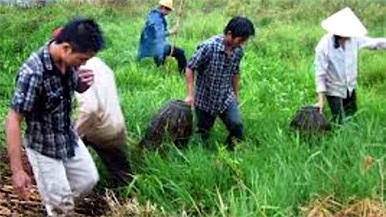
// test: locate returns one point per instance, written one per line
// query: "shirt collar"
(156, 10)
(48, 63)
(47, 56)
(221, 44)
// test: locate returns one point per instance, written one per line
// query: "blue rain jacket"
(153, 37)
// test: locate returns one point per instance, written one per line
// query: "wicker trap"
(308, 119)
(173, 122)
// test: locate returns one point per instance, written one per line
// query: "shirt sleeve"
(200, 57)
(371, 43)
(27, 89)
(240, 55)
(75, 79)
(321, 65)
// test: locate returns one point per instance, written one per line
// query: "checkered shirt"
(43, 96)
(214, 71)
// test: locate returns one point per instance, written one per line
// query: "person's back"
(100, 122)
(101, 102)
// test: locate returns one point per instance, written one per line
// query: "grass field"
(274, 171)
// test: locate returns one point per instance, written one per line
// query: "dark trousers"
(177, 53)
(342, 108)
(230, 117)
(115, 157)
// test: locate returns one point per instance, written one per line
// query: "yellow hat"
(344, 23)
(167, 3)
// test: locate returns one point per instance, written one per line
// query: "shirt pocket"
(54, 100)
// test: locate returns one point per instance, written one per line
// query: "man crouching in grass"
(217, 63)
(45, 84)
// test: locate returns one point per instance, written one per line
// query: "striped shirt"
(43, 96)
(215, 69)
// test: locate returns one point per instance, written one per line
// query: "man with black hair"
(63, 168)
(217, 66)
(100, 122)
(153, 41)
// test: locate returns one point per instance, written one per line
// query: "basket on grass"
(173, 122)
(308, 119)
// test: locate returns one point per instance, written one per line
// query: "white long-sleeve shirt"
(99, 114)
(336, 68)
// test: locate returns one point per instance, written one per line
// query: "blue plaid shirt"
(43, 96)
(214, 71)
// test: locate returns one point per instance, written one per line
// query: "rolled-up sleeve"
(321, 64)
(28, 86)
(371, 43)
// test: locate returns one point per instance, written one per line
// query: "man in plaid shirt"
(62, 166)
(217, 66)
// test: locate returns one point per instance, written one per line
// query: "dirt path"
(12, 206)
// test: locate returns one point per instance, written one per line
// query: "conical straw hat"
(344, 23)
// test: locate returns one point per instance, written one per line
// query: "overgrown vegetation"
(273, 172)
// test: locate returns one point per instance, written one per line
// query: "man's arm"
(321, 65)
(21, 181)
(24, 101)
(372, 43)
(189, 77)
(235, 85)
(12, 132)
(85, 78)
(172, 31)
(236, 75)
(199, 58)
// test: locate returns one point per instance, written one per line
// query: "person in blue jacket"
(153, 41)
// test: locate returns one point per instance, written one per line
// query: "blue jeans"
(230, 117)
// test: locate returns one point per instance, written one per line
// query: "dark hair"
(240, 27)
(84, 35)
(336, 41)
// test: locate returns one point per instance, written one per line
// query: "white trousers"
(61, 182)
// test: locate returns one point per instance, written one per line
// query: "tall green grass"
(274, 171)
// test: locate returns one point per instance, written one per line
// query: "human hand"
(320, 105)
(21, 183)
(85, 79)
(86, 76)
(236, 96)
(189, 100)
(173, 30)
